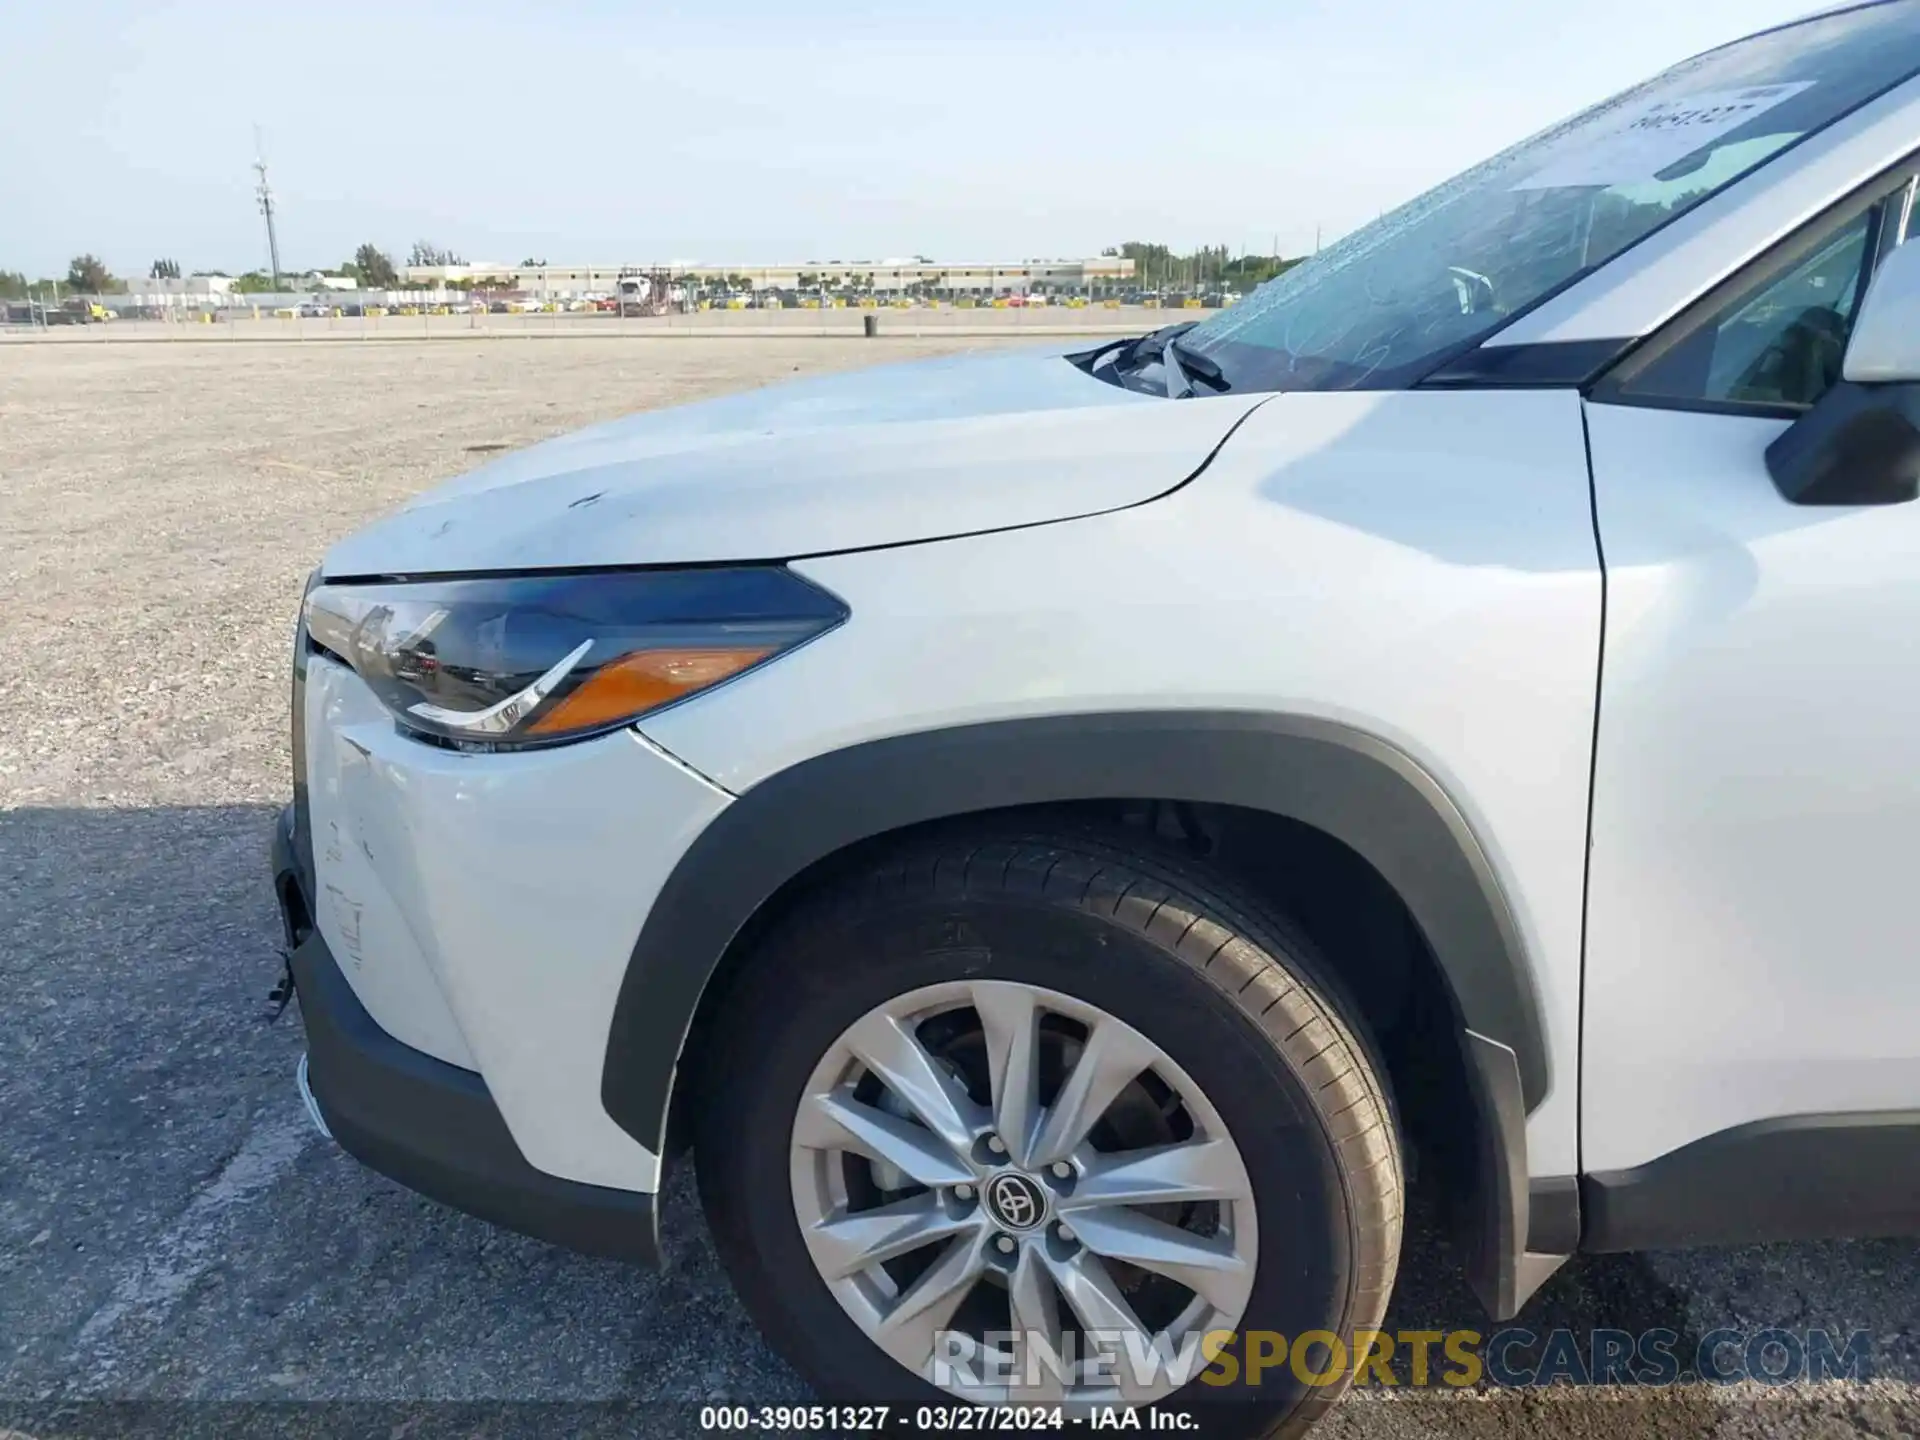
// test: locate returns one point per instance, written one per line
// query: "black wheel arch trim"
(1358, 788)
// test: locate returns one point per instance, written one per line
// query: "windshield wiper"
(1184, 365)
(1087, 359)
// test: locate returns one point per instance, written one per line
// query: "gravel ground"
(172, 1236)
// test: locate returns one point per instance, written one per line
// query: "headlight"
(536, 659)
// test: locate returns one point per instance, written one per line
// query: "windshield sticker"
(1651, 137)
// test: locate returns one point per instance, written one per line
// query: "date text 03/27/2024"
(937, 1419)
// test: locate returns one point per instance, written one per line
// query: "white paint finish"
(1885, 346)
(1640, 290)
(947, 387)
(901, 453)
(1419, 565)
(513, 887)
(1757, 801)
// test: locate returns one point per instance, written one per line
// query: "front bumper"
(432, 1126)
(483, 907)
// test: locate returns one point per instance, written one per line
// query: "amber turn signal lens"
(643, 681)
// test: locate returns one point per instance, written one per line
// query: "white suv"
(1059, 834)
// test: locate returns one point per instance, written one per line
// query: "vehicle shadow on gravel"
(172, 1230)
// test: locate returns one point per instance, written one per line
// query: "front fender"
(1353, 786)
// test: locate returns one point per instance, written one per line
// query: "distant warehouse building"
(985, 278)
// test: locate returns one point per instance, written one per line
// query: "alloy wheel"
(991, 1160)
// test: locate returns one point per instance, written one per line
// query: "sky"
(748, 131)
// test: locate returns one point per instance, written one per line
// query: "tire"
(1251, 1037)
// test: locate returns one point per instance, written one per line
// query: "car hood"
(888, 456)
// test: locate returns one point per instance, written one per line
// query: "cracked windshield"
(1390, 302)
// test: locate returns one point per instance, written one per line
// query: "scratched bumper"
(482, 909)
(435, 1128)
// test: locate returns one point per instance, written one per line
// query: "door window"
(1776, 339)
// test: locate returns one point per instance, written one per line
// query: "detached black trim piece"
(1559, 364)
(434, 1128)
(292, 875)
(1801, 1177)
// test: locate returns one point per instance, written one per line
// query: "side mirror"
(1860, 444)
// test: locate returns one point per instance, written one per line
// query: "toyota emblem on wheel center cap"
(1015, 1201)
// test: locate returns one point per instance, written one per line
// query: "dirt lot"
(171, 1231)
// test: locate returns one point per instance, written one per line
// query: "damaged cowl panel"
(888, 456)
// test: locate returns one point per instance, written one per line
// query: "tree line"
(1208, 269)
(87, 274)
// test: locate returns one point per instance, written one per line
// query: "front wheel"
(1034, 1119)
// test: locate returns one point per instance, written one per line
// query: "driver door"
(1751, 1052)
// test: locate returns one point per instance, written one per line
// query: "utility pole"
(265, 195)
